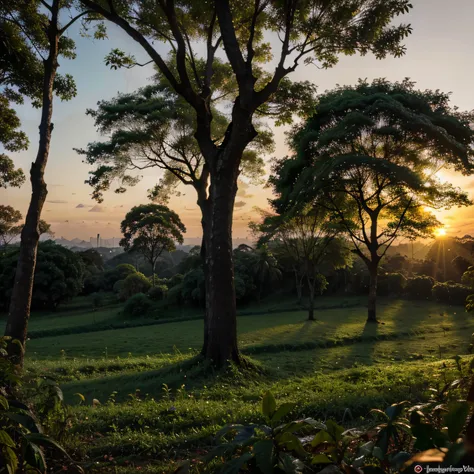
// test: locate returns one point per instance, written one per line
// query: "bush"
(133, 284)
(157, 293)
(193, 287)
(391, 284)
(120, 272)
(451, 293)
(138, 305)
(174, 295)
(98, 299)
(420, 287)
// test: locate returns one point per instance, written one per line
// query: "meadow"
(143, 399)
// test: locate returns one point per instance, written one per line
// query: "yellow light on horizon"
(441, 232)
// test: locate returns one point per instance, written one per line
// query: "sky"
(440, 55)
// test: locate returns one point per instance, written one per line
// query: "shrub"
(193, 287)
(174, 295)
(157, 293)
(391, 284)
(98, 299)
(120, 272)
(420, 287)
(138, 305)
(157, 281)
(451, 293)
(133, 284)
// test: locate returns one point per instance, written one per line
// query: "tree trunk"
(20, 303)
(372, 306)
(221, 345)
(205, 256)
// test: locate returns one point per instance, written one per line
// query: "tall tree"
(35, 25)
(370, 155)
(154, 128)
(309, 242)
(150, 229)
(311, 31)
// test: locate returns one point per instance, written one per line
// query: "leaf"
(378, 453)
(289, 464)
(82, 397)
(25, 420)
(263, 452)
(35, 457)
(367, 448)
(10, 458)
(4, 402)
(6, 440)
(334, 430)
(42, 440)
(455, 419)
(322, 437)
(282, 411)
(234, 466)
(394, 411)
(268, 405)
(292, 443)
(320, 459)
(183, 468)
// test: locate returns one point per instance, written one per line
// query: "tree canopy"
(150, 229)
(370, 155)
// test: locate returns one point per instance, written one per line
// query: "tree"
(267, 270)
(34, 33)
(370, 155)
(59, 275)
(310, 31)
(151, 229)
(309, 241)
(9, 228)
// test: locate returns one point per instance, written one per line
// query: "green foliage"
(118, 286)
(133, 284)
(157, 292)
(420, 287)
(451, 293)
(98, 299)
(176, 279)
(25, 443)
(151, 229)
(58, 275)
(193, 287)
(391, 284)
(9, 228)
(120, 272)
(137, 306)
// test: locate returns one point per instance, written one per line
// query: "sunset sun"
(440, 232)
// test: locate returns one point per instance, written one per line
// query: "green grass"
(327, 366)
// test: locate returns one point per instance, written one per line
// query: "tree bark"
(221, 344)
(372, 305)
(20, 303)
(205, 256)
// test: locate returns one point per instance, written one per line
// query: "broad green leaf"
(455, 419)
(25, 420)
(268, 405)
(35, 457)
(320, 459)
(4, 402)
(42, 440)
(264, 456)
(334, 430)
(289, 464)
(6, 440)
(235, 465)
(10, 458)
(378, 453)
(399, 460)
(292, 443)
(282, 411)
(322, 437)
(395, 410)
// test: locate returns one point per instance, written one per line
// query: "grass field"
(326, 366)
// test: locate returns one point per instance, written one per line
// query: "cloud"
(80, 206)
(240, 204)
(242, 190)
(97, 208)
(57, 202)
(115, 207)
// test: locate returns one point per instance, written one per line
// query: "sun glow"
(441, 232)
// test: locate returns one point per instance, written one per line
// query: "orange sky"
(440, 56)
